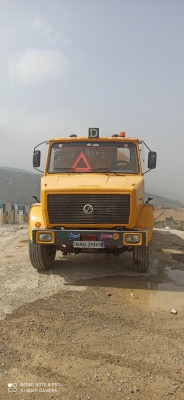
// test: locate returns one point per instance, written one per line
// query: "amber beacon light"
(122, 134)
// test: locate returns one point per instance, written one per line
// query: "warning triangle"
(81, 163)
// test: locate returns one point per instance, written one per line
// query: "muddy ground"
(63, 337)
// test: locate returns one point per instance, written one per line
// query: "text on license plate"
(88, 245)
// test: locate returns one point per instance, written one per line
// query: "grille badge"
(88, 209)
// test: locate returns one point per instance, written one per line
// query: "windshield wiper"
(101, 169)
(109, 170)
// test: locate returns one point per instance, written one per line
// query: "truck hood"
(90, 183)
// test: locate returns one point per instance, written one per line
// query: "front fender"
(146, 219)
(35, 215)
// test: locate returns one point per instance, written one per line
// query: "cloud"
(42, 28)
(38, 24)
(37, 66)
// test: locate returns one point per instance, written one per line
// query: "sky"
(67, 65)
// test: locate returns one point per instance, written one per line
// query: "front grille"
(107, 208)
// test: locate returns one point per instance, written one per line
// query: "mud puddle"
(170, 294)
(150, 293)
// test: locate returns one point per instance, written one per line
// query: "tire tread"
(141, 258)
(39, 257)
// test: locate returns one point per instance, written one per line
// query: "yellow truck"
(92, 200)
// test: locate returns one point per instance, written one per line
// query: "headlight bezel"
(134, 239)
(44, 237)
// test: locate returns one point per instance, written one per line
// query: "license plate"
(88, 245)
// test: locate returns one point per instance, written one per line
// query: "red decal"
(80, 157)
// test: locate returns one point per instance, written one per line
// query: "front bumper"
(109, 238)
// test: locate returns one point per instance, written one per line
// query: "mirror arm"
(148, 170)
(142, 141)
(38, 169)
(45, 141)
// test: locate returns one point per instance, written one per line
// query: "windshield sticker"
(60, 145)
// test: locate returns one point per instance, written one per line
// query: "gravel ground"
(91, 328)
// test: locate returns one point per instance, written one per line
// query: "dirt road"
(62, 337)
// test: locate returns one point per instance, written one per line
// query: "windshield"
(93, 157)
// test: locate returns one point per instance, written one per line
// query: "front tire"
(141, 258)
(41, 255)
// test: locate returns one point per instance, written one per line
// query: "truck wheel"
(141, 258)
(41, 255)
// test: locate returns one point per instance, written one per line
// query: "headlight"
(45, 237)
(132, 238)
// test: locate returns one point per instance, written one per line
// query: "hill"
(163, 202)
(18, 186)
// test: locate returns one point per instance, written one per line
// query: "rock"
(173, 311)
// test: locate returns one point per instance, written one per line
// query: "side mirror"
(152, 159)
(36, 158)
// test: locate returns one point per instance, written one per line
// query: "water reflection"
(149, 294)
(176, 275)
